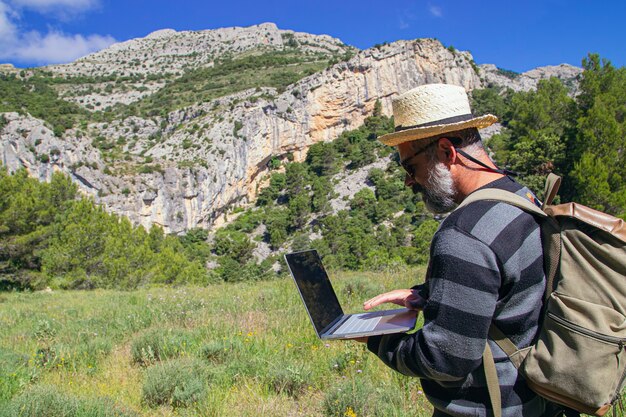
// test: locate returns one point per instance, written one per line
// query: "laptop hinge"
(335, 324)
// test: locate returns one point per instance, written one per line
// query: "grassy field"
(231, 349)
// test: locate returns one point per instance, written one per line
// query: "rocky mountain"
(181, 126)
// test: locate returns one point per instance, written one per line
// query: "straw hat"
(430, 110)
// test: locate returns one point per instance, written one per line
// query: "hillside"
(177, 128)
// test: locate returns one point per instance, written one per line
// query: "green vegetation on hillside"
(383, 226)
(49, 237)
(230, 75)
(582, 139)
(35, 96)
(38, 94)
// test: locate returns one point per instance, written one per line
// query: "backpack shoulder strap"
(515, 355)
(504, 196)
(493, 385)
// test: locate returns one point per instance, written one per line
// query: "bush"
(15, 374)
(179, 383)
(287, 380)
(218, 351)
(353, 399)
(47, 401)
(360, 398)
(157, 345)
(422, 237)
(362, 288)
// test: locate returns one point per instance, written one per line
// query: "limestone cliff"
(186, 169)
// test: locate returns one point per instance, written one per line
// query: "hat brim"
(396, 138)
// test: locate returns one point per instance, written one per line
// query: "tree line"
(49, 236)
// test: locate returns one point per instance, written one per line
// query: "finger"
(396, 297)
(373, 302)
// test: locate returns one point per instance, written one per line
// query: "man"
(486, 261)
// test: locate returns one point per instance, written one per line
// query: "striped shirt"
(486, 264)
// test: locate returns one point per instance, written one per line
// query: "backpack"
(578, 358)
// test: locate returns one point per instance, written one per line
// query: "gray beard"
(439, 191)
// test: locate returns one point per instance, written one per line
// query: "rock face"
(169, 51)
(528, 80)
(185, 170)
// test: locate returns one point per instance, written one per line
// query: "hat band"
(447, 120)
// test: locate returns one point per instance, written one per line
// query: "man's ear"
(446, 151)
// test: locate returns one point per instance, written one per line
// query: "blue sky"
(518, 35)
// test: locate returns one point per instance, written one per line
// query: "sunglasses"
(406, 164)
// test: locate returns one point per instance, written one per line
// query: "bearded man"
(486, 262)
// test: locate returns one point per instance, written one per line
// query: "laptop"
(325, 312)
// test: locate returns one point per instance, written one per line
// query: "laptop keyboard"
(360, 323)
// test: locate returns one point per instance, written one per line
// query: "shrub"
(362, 288)
(157, 345)
(423, 236)
(349, 399)
(360, 398)
(237, 127)
(218, 351)
(179, 383)
(287, 380)
(16, 373)
(47, 401)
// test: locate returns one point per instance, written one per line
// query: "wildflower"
(358, 371)
(349, 412)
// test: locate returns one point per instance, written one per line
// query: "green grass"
(244, 349)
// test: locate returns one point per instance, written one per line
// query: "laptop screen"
(315, 288)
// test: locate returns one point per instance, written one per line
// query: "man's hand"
(407, 298)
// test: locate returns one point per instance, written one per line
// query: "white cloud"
(435, 11)
(7, 27)
(52, 47)
(57, 47)
(46, 5)
(62, 10)
(405, 17)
